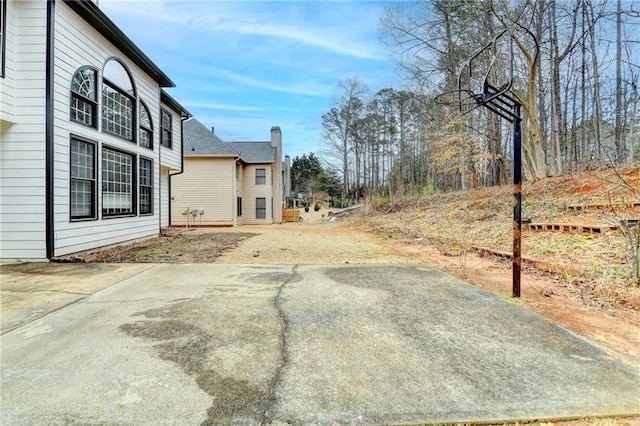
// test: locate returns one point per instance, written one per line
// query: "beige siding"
(239, 176)
(251, 191)
(206, 184)
(164, 197)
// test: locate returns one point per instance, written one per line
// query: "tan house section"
(201, 195)
(227, 183)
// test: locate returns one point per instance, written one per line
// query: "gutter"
(234, 191)
(183, 118)
(49, 133)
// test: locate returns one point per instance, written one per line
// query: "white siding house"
(227, 183)
(88, 137)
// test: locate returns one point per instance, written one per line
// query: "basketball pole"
(517, 202)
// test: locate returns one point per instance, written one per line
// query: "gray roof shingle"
(198, 140)
(255, 152)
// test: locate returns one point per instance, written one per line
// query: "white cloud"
(331, 39)
(309, 88)
(218, 106)
(252, 18)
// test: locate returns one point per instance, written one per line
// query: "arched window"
(145, 138)
(84, 97)
(118, 100)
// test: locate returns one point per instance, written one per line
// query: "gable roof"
(200, 141)
(92, 14)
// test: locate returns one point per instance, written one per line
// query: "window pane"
(118, 75)
(261, 176)
(146, 186)
(145, 120)
(261, 210)
(84, 83)
(117, 112)
(83, 97)
(145, 138)
(166, 128)
(82, 184)
(117, 177)
(81, 198)
(81, 111)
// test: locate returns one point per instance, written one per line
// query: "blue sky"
(244, 66)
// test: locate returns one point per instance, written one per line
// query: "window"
(118, 98)
(146, 186)
(3, 34)
(165, 128)
(261, 176)
(84, 101)
(117, 183)
(82, 185)
(239, 206)
(261, 208)
(145, 138)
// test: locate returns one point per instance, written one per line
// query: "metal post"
(517, 206)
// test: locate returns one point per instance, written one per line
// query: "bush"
(316, 207)
(306, 209)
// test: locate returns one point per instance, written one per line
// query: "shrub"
(316, 207)
(306, 209)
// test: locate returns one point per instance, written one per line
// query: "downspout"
(183, 118)
(49, 134)
(234, 190)
(160, 178)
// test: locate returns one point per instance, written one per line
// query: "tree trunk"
(596, 84)
(618, 130)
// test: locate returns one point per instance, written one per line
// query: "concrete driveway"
(342, 344)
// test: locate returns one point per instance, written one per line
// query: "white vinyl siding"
(171, 157)
(7, 86)
(22, 138)
(77, 45)
(22, 145)
(207, 183)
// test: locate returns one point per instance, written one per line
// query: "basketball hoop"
(479, 85)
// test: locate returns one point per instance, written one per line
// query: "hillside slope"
(593, 204)
(582, 278)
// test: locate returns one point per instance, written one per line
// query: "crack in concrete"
(266, 417)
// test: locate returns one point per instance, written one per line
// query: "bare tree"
(338, 124)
